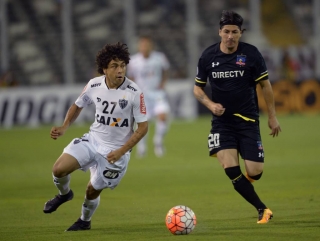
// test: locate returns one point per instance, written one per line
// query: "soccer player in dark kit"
(233, 70)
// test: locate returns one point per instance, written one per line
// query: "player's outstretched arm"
(140, 132)
(201, 96)
(269, 99)
(71, 116)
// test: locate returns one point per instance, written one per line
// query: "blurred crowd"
(36, 42)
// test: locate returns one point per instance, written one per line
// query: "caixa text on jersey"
(112, 121)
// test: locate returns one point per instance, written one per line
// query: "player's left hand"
(274, 126)
(114, 156)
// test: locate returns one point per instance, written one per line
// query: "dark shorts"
(237, 134)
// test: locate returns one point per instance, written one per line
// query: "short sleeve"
(202, 76)
(261, 71)
(84, 100)
(139, 108)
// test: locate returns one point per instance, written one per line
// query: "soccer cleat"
(55, 202)
(80, 225)
(264, 215)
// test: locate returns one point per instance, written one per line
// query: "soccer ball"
(180, 220)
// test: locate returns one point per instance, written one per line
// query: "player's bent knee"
(92, 193)
(58, 172)
(256, 177)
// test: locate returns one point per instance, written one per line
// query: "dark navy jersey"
(233, 79)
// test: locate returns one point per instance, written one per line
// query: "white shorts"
(90, 154)
(156, 103)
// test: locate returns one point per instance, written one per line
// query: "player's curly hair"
(231, 18)
(111, 52)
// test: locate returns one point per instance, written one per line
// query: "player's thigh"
(251, 149)
(82, 150)
(105, 175)
(253, 168)
(65, 165)
(228, 158)
(221, 138)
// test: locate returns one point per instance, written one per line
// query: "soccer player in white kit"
(149, 69)
(105, 149)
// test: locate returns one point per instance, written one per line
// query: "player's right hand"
(56, 132)
(274, 126)
(218, 109)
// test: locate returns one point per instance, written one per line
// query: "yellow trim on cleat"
(267, 215)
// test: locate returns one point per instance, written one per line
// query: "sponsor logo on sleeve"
(85, 98)
(143, 108)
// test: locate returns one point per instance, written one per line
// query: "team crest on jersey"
(123, 103)
(259, 143)
(241, 60)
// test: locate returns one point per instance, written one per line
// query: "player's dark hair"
(111, 52)
(231, 18)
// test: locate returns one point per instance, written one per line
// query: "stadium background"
(48, 49)
(47, 52)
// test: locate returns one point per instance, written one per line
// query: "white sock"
(62, 184)
(161, 130)
(88, 208)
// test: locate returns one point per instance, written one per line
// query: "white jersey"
(148, 72)
(116, 110)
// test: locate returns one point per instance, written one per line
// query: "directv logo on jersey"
(228, 74)
(131, 88)
(95, 85)
(111, 121)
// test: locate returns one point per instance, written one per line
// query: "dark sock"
(244, 187)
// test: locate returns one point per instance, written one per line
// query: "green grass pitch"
(136, 209)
